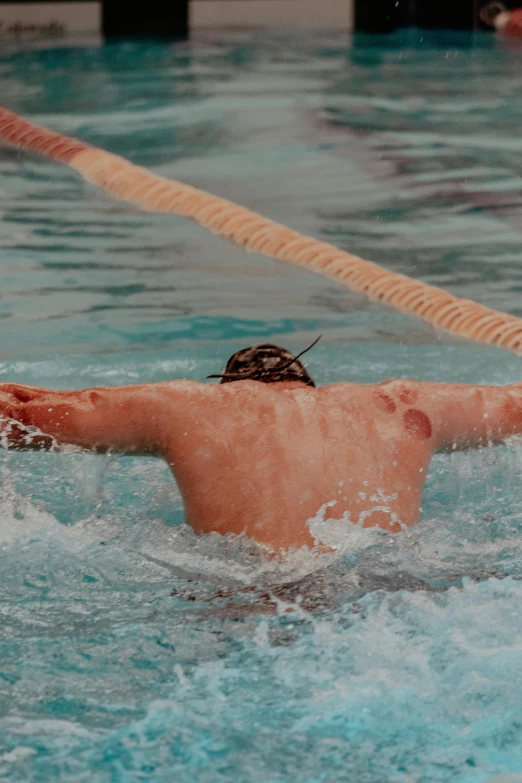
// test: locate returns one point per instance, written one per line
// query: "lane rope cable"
(123, 180)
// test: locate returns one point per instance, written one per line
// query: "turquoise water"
(130, 650)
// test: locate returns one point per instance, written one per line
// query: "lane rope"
(123, 180)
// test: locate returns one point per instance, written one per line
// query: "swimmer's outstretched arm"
(462, 417)
(123, 419)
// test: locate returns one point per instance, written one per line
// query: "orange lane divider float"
(123, 180)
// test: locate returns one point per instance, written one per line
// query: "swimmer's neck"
(279, 385)
(288, 385)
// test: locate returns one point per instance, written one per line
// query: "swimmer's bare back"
(264, 458)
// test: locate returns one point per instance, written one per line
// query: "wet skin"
(264, 458)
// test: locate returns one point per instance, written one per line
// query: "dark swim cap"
(267, 363)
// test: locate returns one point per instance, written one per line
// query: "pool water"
(130, 649)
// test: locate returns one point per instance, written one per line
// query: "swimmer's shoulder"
(196, 392)
(182, 391)
(388, 394)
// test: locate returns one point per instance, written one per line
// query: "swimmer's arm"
(125, 419)
(464, 417)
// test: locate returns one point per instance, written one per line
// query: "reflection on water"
(131, 649)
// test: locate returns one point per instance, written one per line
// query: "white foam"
(231, 558)
(342, 533)
(17, 754)
(18, 516)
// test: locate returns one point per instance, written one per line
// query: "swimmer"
(263, 451)
(497, 15)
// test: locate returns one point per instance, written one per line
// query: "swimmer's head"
(494, 14)
(267, 363)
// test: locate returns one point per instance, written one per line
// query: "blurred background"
(177, 18)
